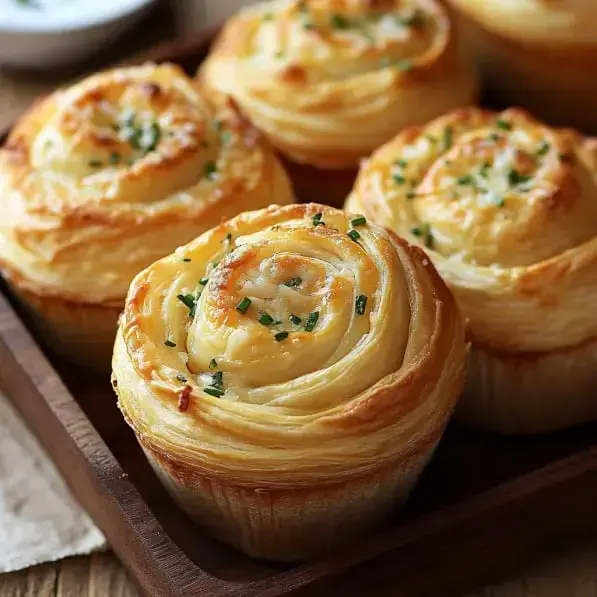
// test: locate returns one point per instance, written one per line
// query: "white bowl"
(63, 31)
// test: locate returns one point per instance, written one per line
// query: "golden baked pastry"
(288, 375)
(99, 180)
(507, 210)
(328, 81)
(538, 54)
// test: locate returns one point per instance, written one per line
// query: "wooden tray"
(485, 502)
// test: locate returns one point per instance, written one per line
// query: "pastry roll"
(506, 209)
(99, 180)
(537, 54)
(328, 81)
(288, 375)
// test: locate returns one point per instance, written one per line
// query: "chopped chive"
(214, 392)
(484, 168)
(425, 232)
(181, 378)
(360, 221)
(114, 158)
(515, 177)
(225, 137)
(311, 321)
(244, 305)
(281, 336)
(317, 219)
(398, 179)
(503, 124)
(217, 380)
(448, 137)
(338, 21)
(213, 364)
(186, 259)
(293, 282)
(295, 319)
(401, 163)
(151, 137)
(360, 304)
(203, 281)
(466, 179)
(411, 195)
(354, 235)
(494, 137)
(189, 301)
(95, 163)
(500, 202)
(543, 148)
(209, 170)
(170, 343)
(266, 319)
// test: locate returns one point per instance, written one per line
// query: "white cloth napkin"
(39, 519)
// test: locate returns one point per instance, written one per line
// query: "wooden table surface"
(572, 573)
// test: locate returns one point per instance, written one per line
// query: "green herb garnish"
(213, 364)
(209, 170)
(214, 392)
(515, 177)
(295, 319)
(360, 304)
(503, 124)
(266, 319)
(398, 178)
(311, 321)
(360, 221)
(465, 180)
(293, 282)
(190, 301)
(448, 137)
(244, 305)
(354, 235)
(543, 148)
(317, 219)
(281, 336)
(338, 21)
(95, 163)
(181, 378)
(170, 343)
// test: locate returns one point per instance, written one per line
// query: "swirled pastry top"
(103, 178)
(330, 80)
(507, 208)
(297, 341)
(550, 21)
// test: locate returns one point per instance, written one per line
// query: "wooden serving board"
(485, 503)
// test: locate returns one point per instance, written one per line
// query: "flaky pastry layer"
(100, 179)
(506, 208)
(291, 347)
(330, 80)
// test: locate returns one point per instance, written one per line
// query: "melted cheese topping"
(506, 207)
(329, 80)
(308, 338)
(99, 180)
(571, 22)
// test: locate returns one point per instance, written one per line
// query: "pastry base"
(83, 333)
(558, 85)
(530, 392)
(292, 524)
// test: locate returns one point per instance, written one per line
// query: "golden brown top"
(295, 341)
(329, 80)
(100, 179)
(507, 208)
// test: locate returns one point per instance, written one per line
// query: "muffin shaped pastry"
(329, 81)
(507, 210)
(99, 180)
(288, 375)
(537, 54)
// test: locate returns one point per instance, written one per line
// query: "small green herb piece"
(465, 180)
(190, 301)
(354, 235)
(503, 124)
(500, 201)
(424, 231)
(186, 259)
(338, 21)
(308, 25)
(209, 170)
(494, 137)
(281, 336)
(401, 163)
(543, 148)
(398, 179)
(360, 221)
(404, 65)
(213, 364)
(95, 163)
(203, 281)
(515, 177)
(317, 219)
(266, 319)
(151, 137)
(448, 137)
(311, 321)
(217, 380)
(431, 138)
(244, 305)
(181, 378)
(114, 158)
(361, 304)
(411, 195)
(214, 392)
(170, 343)
(293, 282)
(484, 169)
(295, 319)
(225, 137)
